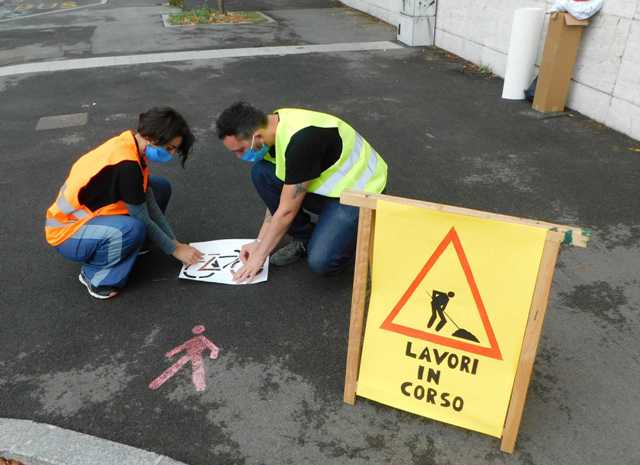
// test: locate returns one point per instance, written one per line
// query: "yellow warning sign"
(449, 306)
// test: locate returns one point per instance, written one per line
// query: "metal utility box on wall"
(417, 22)
(418, 7)
(559, 57)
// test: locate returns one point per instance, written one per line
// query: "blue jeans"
(331, 244)
(107, 246)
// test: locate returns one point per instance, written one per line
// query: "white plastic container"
(523, 50)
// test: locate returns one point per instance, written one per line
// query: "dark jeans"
(161, 191)
(332, 243)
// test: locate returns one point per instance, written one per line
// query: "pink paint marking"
(194, 348)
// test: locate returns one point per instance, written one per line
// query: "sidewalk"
(118, 29)
(40, 444)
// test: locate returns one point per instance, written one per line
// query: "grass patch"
(485, 70)
(176, 3)
(212, 16)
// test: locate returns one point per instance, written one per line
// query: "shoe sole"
(93, 294)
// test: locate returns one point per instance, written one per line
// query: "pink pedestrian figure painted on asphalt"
(194, 348)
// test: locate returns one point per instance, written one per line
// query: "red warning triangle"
(493, 351)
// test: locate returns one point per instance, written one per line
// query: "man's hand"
(247, 251)
(187, 254)
(250, 269)
(273, 228)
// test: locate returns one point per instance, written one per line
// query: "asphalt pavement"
(274, 396)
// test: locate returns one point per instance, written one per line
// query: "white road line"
(166, 57)
(62, 10)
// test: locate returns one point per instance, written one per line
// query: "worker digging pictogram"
(443, 311)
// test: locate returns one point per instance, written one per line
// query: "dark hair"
(240, 120)
(161, 124)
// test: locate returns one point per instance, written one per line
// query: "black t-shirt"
(120, 182)
(310, 152)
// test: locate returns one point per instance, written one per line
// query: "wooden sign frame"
(556, 236)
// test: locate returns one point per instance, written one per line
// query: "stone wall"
(606, 83)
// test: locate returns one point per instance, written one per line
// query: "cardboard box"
(558, 59)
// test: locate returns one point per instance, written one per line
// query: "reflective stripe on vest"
(66, 208)
(63, 204)
(358, 167)
(53, 223)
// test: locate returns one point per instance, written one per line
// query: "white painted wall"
(606, 83)
(414, 19)
(607, 74)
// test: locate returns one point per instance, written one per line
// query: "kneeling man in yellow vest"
(109, 204)
(302, 161)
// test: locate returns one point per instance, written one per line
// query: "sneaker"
(99, 292)
(290, 253)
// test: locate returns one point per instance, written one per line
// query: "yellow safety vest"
(359, 166)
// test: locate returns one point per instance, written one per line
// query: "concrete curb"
(42, 444)
(165, 21)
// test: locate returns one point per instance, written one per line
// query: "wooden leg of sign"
(358, 299)
(530, 342)
(372, 233)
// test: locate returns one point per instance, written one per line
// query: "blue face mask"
(252, 155)
(157, 154)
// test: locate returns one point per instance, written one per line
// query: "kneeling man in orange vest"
(110, 204)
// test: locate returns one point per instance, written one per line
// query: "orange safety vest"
(66, 215)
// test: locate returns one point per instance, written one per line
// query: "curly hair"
(241, 120)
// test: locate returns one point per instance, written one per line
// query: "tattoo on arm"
(300, 189)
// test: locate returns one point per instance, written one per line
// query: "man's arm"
(273, 229)
(248, 249)
(290, 204)
(265, 224)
